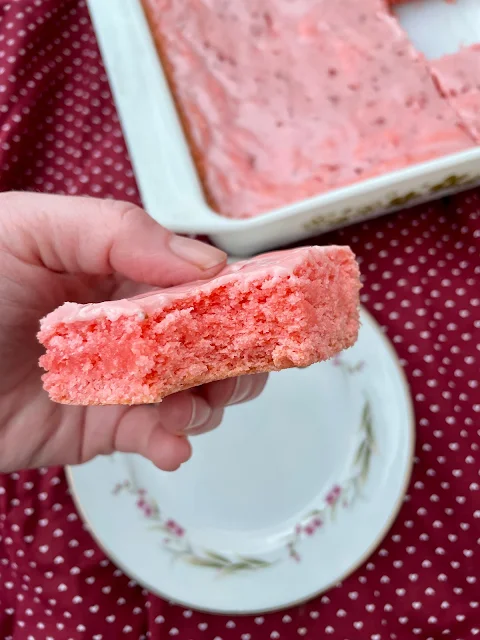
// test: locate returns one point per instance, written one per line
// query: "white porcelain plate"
(290, 495)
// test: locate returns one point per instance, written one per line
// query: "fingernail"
(198, 253)
(201, 412)
(242, 389)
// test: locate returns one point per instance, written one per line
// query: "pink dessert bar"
(458, 76)
(285, 100)
(283, 309)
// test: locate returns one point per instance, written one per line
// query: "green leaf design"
(256, 562)
(399, 201)
(217, 557)
(198, 561)
(224, 565)
(234, 568)
(448, 183)
(365, 415)
(334, 218)
(367, 422)
(366, 467)
(360, 452)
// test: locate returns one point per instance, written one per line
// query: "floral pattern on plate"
(174, 537)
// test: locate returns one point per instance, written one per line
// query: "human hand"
(59, 248)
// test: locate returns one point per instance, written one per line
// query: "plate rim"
(294, 603)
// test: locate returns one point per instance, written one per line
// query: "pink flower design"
(120, 486)
(147, 510)
(175, 528)
(333, 495)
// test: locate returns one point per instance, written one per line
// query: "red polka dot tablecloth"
(59, 132)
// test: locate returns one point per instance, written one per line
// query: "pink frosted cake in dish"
(284, 100)
(279, 310)
(458, 76)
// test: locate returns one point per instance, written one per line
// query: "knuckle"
(123, 209)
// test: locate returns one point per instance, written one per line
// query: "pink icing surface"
(458, 76)
(285, 100)
(278, 263)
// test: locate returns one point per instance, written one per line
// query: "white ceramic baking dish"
(165, 172)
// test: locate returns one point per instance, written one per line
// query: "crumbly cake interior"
(264, 324)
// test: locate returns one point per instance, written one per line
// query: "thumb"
(100, 237)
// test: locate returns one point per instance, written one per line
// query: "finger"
(101, 237)
(213, 422)
(234, 390)
(188, 413)
(140, 431)
(182, 412)
(259, 384)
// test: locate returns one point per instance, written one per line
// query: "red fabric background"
(59, 133)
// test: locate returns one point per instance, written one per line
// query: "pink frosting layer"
(458, 76)
(285, 100)
(271, 265)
